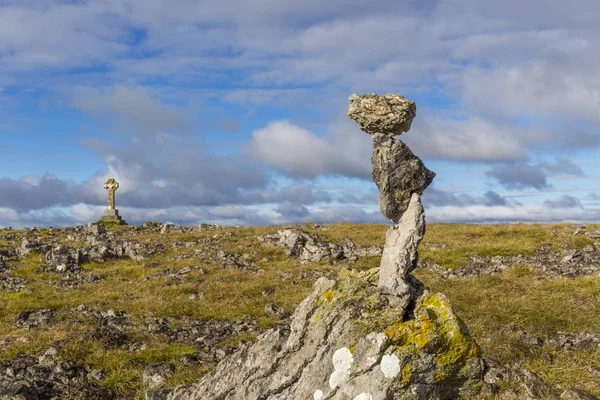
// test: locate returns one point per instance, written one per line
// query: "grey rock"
(400, 252)
(313, 356)
(271, 310)
(236, 261)
(543, 263)
(398, 173)
(156, 374)
(95, 229)
(308, 247)
(32, 246)
(170, 228)
(391, 114)
(8, 281)
(24, 377)
(64, 258)
(31, 319)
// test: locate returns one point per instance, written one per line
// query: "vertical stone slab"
(400, 254)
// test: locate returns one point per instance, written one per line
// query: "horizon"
(236, 115)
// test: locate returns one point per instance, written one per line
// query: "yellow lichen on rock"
(438, 331)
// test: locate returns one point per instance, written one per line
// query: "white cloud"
(84, 213)
(472, 140)
(301, 153)
(529, 213)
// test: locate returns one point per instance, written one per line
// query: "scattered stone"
(391, 114)
(312, 248)
(30, 319)
(8, 281)
(170, 228)
(271, 310)
(32, 246)
(96, 229)
(155, 375)
(64, 259)
(530, 383)
(158, 325)
(24, 377)
(545, 264)
(235, 261)
(8, 254)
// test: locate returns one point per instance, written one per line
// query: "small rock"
(155, 375)
(271, 310)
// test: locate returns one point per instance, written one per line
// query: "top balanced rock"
(391, 114)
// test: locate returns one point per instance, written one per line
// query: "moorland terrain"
(87, 312)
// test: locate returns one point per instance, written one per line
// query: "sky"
(235, 111)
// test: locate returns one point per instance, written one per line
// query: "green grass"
(488, 305)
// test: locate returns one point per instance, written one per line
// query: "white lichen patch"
(364, 396)
(338, 377)
(318, 395)
(342, 362)
(343, 359)
(390, 366)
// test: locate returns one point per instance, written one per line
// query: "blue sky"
(234, 112)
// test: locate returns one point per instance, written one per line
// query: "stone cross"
(111, 185)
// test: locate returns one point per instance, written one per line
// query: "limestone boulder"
(346, 341)
(391, 114)
(309, 247)
(398, 173)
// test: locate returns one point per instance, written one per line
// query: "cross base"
(112, 215)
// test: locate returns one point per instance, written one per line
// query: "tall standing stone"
(401, 178)
(112, 214)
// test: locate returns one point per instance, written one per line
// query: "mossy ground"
(488, 305)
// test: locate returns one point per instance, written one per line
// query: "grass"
(489, 304)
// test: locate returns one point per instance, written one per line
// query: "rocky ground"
(89, 312)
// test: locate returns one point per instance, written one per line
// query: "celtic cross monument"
(112, 214)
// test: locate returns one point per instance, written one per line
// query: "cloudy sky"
(234, 111)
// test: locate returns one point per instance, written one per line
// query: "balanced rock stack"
(374, 335)
(401, 179)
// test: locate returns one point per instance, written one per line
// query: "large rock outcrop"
(346, 341)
